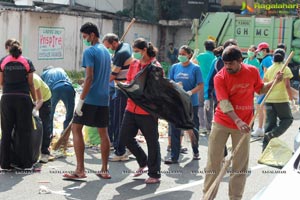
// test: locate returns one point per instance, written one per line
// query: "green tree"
(169, 9)
(146, 10)
(142, 10)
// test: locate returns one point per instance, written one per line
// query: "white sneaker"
(115, 158)
(202, 130)
(22, 169)
(259, 132)
(128, 152)
(296, 115)
(44, 158)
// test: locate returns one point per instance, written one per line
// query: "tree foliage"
(142, 10)
(169, 9)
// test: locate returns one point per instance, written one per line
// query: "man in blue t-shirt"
(263, 52)
(121, 60)
(204, 61)
(172, 53)
(92, 106)
(61, 88)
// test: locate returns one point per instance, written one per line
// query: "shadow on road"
(129, 190)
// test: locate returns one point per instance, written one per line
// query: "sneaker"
(202, 131)
(169, 161)
(196, 156)
(296, 115)
(259, 132)
(44, 158)
(51, 157)
(112, 147)
(22, 169)
(169, 148)
(183, 150)
(9, 169)
(115, 158)
(128, 152)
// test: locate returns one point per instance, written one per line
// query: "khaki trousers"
(217, 141)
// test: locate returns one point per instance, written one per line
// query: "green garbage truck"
(248, 30)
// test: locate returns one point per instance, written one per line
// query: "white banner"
(51, 43)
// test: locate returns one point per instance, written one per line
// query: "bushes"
(75, 76)
(166, 66)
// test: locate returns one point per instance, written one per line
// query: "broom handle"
(128, 27)
(213, 188)
(64, 137)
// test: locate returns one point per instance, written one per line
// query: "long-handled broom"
(212, 191)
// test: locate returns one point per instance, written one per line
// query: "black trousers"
(149, 126)
(16, 114)
(45, 115)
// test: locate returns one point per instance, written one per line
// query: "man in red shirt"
(235, 85)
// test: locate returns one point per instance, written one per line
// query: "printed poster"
(51, 43)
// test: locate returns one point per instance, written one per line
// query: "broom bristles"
(64, 137)
(212, 192)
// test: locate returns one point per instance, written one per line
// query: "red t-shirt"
(134, 68)
(239, 90)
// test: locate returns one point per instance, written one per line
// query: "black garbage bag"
(160, 97)
(35, 140)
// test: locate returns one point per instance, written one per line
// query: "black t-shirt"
(122, 54)
(295, 70)
(15, 73)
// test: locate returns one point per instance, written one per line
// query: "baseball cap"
(262, 45)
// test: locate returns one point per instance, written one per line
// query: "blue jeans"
(119, 108)
(66, 93)
(205, 116)
(111, 114)
(175, 137)
(296, 85)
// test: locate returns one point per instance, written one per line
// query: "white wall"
(66, 2)
(30, 2)
(25, 26)
(23, 2)
(147, 31)
(184, 33)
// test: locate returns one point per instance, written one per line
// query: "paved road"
(183, 181)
